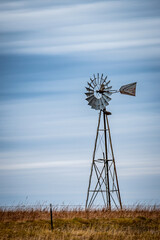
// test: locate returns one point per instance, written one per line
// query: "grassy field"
(77, 224)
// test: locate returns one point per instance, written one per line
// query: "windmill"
(103, 180)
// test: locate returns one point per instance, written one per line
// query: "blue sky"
(48, 52)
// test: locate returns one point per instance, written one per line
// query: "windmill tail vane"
(129, 89)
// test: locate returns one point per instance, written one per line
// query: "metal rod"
(91, 201)
(99, 183)
(114, 162)
(96, 192)
(106, 164)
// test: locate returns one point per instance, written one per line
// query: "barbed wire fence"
(73, 207)
(53, 208)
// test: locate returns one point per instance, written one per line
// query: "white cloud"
(77, 28)
(87, 47)
(136, 168)
(139, 169)
(37, 165)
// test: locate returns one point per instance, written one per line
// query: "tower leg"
(109, 133)
(93, 160)
(106, 164)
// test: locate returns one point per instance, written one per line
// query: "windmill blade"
(89, 94)
(104, 80)
(101, 104)
(98, 103)
(97, 77)
(92, 101)
(106, 97)
(90, 85)
(93, 81)
(106, 83)
(101, 79)
(129, 89)
(107, 88)
(105, 101)
(95, 106)
(90, 90)
(108, 93)
(90, 97)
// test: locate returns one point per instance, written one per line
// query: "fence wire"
(80, 207)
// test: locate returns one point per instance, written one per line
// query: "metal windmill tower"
(103, 180)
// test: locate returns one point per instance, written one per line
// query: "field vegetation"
(77, 224)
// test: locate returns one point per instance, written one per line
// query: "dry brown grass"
(137, 223)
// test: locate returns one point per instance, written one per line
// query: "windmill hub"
(97, 94)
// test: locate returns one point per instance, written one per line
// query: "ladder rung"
(103, 130)
(97, 191)
(102, 191)
(103, 159)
